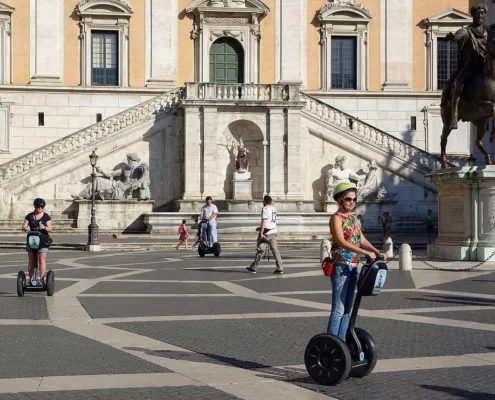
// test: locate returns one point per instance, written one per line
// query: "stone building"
(182, 82)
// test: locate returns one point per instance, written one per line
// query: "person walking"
(184, 235)
(386, 221)
(348, 243)
(430, 226)
(267, 236)
(209, 212)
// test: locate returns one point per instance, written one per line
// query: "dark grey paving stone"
(155, 288)
(439, 384)
(27, 307)
(48, 351)
(484, 284)
(172, 273)
(114, 307)
(285, 283)
(89, 273)
(258, 343)
(8, 286)
(399, 300)
(169, 393)
(480, 316)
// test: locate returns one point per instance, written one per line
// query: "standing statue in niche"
(133, 182)
(242, 162)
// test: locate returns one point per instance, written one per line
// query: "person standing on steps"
(348, 242)
(267, 237)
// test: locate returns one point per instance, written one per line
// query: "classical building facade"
(182, 83)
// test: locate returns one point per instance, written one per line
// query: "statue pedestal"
(466, 209)
(114, 215)
(243, 185)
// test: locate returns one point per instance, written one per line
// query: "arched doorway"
(226, 61)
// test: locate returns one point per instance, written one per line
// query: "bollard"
(405, 257)
(325, 247)
(388, 247)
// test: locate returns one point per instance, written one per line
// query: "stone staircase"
(361, 133)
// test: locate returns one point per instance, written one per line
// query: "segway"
(328, 359)
(35, 240)
(204, 242)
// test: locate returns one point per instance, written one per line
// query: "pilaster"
(161, 43)
(210, 152)
(277, 153)
(192, 153)
(396, 44)
(294, 159)
(47, 41)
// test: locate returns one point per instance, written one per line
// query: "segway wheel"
(21, 283)
(50, 283)
(369, 350)
(202, 249)
(216, 249)
(327, 359)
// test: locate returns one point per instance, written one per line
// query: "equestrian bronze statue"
(469, 95)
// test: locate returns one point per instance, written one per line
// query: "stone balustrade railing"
(85, 137)
(242, 91)
(367, 133)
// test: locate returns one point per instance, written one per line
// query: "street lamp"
(471, 160)
(93, 244)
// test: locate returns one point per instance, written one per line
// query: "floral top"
(352, 234)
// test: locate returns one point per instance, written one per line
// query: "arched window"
(226, 61)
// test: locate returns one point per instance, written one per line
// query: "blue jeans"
(344, 280)
(212, 232)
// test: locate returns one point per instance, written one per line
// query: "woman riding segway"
(38, 220)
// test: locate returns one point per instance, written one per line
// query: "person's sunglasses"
(353, 199)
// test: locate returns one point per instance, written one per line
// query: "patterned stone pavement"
(163, 324)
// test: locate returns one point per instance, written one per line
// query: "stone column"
(192, 153)
(290, 41)
(396, 28)
(294, 153)
(161, 41)
(276, 156)
(210, 152)
(47, 41)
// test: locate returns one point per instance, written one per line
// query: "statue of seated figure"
(133, 182)
(339, 174)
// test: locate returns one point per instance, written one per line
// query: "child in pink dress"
(184, 235)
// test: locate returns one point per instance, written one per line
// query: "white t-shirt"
(269, 215)
(209, 211)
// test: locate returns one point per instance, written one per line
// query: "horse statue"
(477, 107)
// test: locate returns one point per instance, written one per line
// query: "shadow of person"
(460, 393)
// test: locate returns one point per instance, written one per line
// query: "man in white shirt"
(267, 236)
(209, 212)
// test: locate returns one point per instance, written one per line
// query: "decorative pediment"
(344, 9)
(104, 7)
(450, 16)
(247, 6)
(5, 9)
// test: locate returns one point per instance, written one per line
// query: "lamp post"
(93, 244)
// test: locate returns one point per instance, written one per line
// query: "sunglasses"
(353, 199)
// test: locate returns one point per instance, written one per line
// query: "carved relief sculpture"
(133, 182)
(371, 189)
(339, 174)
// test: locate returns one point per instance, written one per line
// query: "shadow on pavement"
(463, 300)
(459, 393)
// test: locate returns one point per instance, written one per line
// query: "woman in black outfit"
(38, 220)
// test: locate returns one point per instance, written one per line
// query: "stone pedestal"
(466, 207)
(243, 185)
(115, 215)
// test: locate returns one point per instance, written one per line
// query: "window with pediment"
(236, 22)
(441, 55)
(104, 36)
(5, 42)
(344, 45)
